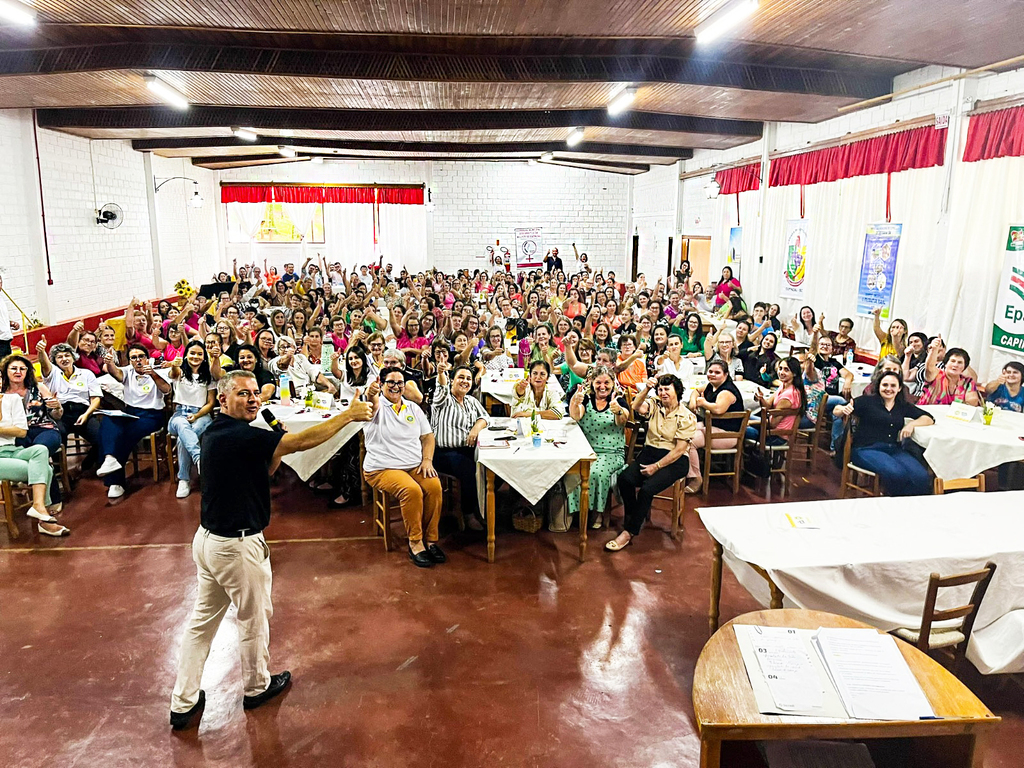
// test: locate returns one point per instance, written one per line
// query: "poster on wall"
(878, 269)
(1008, 323)
(794, 269)
(529, 247)
(732, 258)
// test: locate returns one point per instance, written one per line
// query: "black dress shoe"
(182, 720)
(435, 553)
(277, 684)
(421, 559)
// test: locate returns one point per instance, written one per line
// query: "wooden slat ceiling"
(124, 88)
(794, 60)
(955, 32)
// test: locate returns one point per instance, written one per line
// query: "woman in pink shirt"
(790, 394)
(726, 286)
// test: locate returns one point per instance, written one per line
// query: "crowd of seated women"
(621, 352)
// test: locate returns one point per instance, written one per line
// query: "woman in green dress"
(602, 416)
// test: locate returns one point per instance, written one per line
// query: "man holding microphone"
(232, 557)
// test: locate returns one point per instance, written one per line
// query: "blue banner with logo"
(878, 268)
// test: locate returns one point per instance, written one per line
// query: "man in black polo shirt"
(232, 557)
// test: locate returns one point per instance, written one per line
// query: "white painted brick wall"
(18, 187)
(477, 203)
(188, 236)
(94, 268)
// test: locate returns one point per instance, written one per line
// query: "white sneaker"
(115, 492)
(184, 489)
(109, 466)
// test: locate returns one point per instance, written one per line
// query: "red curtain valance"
(995, 134)
(267, 193)
(893, 152)
(742, 179)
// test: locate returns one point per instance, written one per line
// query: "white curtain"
(988, 196)
(301, 215)
(348, 229)
(249, 216)
(403, 236)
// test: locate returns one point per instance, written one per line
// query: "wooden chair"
(632, 432)
(451, 498)
(771, 451)
(951, 641)
(960, 484)
(808, 443)
(10, 495)
(171, 454)
(382, 504)
(60, 464)
(736, 452)
(149, 450)
(852, 474)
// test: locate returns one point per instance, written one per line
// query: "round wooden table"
(729, 722)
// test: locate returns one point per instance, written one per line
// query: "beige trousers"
(230, 572)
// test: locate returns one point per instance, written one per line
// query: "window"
(276, 227)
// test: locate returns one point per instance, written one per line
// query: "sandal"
(694, 489)
(614, 546)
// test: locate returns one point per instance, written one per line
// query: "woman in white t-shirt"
(673, 361)
(194, 398)
(144, 392)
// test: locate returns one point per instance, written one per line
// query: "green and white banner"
(1008, 323)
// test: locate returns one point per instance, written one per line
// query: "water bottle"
(284, 387)
(849, 358)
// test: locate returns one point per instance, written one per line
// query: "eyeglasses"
(136, 359)
(394, 383)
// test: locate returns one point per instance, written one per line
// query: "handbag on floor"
(559, 519)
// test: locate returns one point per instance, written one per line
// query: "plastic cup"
(536, 441)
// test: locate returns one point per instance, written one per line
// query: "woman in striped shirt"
(457, 419)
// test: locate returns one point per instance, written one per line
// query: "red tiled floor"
(536, 660)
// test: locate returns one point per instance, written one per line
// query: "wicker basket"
(527, 522)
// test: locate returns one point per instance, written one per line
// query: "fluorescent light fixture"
(166, 93)
(17, 13)
(287, 151)
(547, 157)
(244, 134)
(575, 137)
(318, 159)
(720, 22)
(622, 101)
(286, 132)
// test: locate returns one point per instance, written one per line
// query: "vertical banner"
(735, 253)
(1008, 323)
(878, 269)
(529, 247)
(794, 269)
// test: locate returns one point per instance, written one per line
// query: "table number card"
(323, 400)
(962, 411)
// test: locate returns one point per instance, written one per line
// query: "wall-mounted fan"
(110, 216)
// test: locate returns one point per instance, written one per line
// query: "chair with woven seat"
(951, 641)
(451, 498)
(632, 431)
(773, 451)
(853, 474)
(150, 449)
(976, 483)
(381, 504)
(736, 452)
(808, 442)
(14, 492)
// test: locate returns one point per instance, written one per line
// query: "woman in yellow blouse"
(663, 459)
(893, 341)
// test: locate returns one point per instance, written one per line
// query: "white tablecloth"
(960, 449)
(532, 471)
(499, 385)
(871, 560)
(305, 463)
(861, 377)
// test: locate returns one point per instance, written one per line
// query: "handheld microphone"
(271, 419)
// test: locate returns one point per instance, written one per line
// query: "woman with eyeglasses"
(78, 392)
(663, 460)
(302, 372)
(399, 461)
(534, 396)
(144, 392)
(28, 465)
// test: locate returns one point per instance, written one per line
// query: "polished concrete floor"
(536, 660)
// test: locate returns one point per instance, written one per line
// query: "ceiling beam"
(446, 67)
(537, 147)
(594, 165)
(387, 119)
